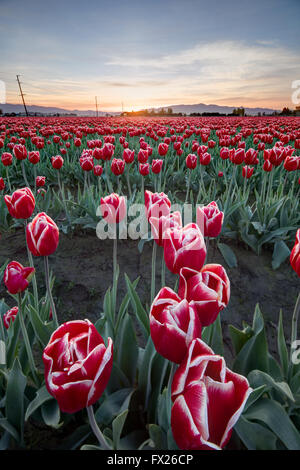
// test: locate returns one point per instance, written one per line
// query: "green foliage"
(270, 417)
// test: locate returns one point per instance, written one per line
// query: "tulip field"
(149, 283)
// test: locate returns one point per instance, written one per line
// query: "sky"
(139, 54)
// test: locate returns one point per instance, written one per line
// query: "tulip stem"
(229, 190)
(202, 182)
(8, 180)
(2, 334)
(100, 187)
(295, 320)
(96, 429)
(169, 404)
(26, 339)
(115, 269)
(107, 177)
(63, 198)
(34, 283)
(244, 189)
(115, 255)
(270, 184)
(119, 185)
(84, 183)
(143, 191)
(207, 247)
(163, 270)
(188, 186)
(47, 277)
(34, 173)
(128, 182)
(24, 174)
(153, 273)
(263, 192)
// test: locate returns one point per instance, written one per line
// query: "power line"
(96, 106)
(26, 112)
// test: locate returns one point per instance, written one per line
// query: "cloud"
(133, 84)
(220, 60)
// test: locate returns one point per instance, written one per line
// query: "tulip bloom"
(251, 157)
(143, 156)
(128, 156)
(108, 151)
(156, 166)
(224, 153)
(98, 170)
(97, 153)
(237, 156)
(143, 145)
(207, 289)
(21, 204)
(6, 158)
(292, 163)
(191, 161)
(77, 142)
(77, 365)
(184, 247)
(10, 316)
(208, 399)
(163, 149)
(173, 325)
(57, 162)
(247, 171)
(113, 208)
(210, 219)
(86, 162)
(2, 184)
(205, 158)
(42, 192)
(16, 277)
(156, 204)
(40, 181)
(267, 166)
(34, 157)
(144, 169)
(20, 152)
(159, 225)
(42, 235)
(295, 254)
(117, 166)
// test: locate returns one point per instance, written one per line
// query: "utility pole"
(96, 106)
(26, 112)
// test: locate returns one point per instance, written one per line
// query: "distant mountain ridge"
(19, 108)
(180, 108)
(214, 108)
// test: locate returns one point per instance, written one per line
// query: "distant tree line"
(152, 112)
